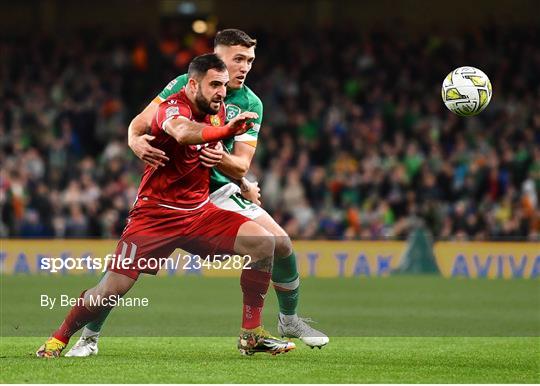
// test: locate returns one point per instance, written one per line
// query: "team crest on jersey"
(232, 111)
(215, 121)
(171, 111)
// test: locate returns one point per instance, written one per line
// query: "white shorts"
(228, 197)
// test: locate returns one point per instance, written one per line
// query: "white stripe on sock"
(289, 286)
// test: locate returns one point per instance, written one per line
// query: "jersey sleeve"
(171, 109)
(251, 136)
(173, 87)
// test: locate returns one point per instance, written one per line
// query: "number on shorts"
(240, 201)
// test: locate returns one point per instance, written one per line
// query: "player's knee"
(265, 245)
(283, 246)
(260, 246)
(255, 241)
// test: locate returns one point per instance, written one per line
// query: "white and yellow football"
(466, 91)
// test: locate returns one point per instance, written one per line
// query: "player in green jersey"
(230, 164)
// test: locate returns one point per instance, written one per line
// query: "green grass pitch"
(403, 329)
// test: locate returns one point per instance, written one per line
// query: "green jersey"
(236, 102)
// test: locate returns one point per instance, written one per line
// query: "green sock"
(96, 325)
(286, 282)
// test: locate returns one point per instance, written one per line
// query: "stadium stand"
(356, 142)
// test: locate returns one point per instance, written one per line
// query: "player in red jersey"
(237, 49)
(172, 211)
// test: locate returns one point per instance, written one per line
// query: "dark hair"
(200, 65)
(234, 37)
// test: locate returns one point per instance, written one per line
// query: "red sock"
(254, 287)
(77, 318)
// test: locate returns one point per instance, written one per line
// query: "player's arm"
(139, 139)
(186, 132)
(236, 164)
(140, 127)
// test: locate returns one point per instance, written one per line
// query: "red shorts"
(153, 232)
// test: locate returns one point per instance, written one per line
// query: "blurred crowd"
(355, 143)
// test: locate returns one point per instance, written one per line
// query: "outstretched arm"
(187, 132)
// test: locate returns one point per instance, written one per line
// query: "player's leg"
(285, 276)
(284, 272)
(255, 241)
(88, 308)
(215, 230)
(225, 232)
(286, 282)
(155, 245)
(259, 244)
(87, 344)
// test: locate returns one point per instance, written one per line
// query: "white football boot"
(85, 346)
(296, 327)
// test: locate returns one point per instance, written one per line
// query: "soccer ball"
(466, 91)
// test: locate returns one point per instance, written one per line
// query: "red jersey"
(183, 182)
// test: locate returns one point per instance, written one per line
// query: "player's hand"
(240, 123)
(211, 157)
(146, 152)
(251, 191)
